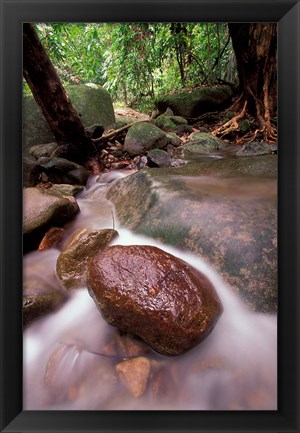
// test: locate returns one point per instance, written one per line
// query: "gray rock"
(142, 137)
(202, 143)
(193, 103)
(255, 148)
(42, 293)
(60, 170)
(64, 190)
(41, 211)
(71, 264)
(43, 150)
(158, 158)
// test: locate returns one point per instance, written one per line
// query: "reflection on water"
(67, 364)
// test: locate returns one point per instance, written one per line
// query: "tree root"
(231, 125)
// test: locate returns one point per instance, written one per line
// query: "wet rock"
(63, 171)
(64, 189)
(223, 210)
(135, 374)
(128, 345)
(193, 103)
(42, 292)
(40, 303)
(162, 384)
(52, 239)
(147, 292)
(42, 211)
(72, 261)
(142, 137)
(255, 148)
(158, 158)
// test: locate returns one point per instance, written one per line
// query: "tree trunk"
(51, 97)
(255, 47)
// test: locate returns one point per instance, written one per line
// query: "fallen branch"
(115, 132)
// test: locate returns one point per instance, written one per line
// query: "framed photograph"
(203, 302)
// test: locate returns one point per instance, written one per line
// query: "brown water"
(67, 365)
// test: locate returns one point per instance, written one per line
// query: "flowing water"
(67, 367)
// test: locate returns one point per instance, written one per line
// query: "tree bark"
(51, 97)
(255, 47)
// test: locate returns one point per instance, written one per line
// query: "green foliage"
(137, 61)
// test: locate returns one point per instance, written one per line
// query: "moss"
(191, 103)
(93, 105)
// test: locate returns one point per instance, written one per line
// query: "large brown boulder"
(147, 292)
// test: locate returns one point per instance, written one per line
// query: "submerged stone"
(145, 291)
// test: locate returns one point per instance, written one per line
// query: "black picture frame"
(13, 14)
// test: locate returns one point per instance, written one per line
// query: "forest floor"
(207, 122)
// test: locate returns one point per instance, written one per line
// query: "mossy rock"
(193, 103)
(92, 103)
(171, 123)
(158, 158)
(244, 125)
(202, 143)
(144, 136)
(226, 215)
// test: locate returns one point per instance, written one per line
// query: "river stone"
(43, 150)
(173, 139)
(135, 374)
(92, 103)
(222, 210)
(64, 189)
(193, 103)
(61, 170)
(201, 142)
(158, 158)
(42, 292)
(172, 124)
(52, 239)
(72, 261)
(42, 211)
(160, 298)
(143, 136)
(255, 148)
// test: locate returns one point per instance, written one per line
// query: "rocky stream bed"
(153, 283)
